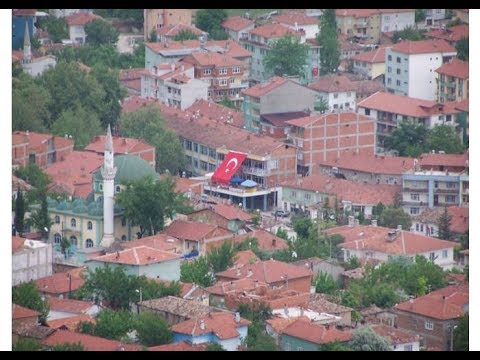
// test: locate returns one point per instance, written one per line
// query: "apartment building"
(154, 19)
(451, 34)
(335, 91)
(452, 81)
(297, 20)
(370, 64)
(237, 27)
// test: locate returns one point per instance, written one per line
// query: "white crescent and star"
(234, 160)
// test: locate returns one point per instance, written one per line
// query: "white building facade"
(33, 261)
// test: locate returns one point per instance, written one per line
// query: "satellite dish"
(294, 255)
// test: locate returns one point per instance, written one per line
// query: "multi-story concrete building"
(396, 19)
(325, 137)
(370, 64)
(336, 91)
(451, 34)
(296, 20)
(168, 32)
(31, 260)
(452, 81)
(277, 95)
(427, 222)
(76, 26)
(173, 84)
(363, 24)
(237, 27)
(411, 65)
(224, 75)
(433, 16)
(154, 19)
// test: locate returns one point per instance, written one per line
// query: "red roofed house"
(328, 136)
(400, 340)
(23, 318)
(168, 32)
(453, 81)
(337, 91)
(308, 192)
(297, 20)
(76, 25)
(40, 149)
(237, 27)
(272, 272)
(161, 242)
(375, 242)
(411, 67)
(61, 308)
(303, 335)
(427, 222)
(70, 323)
(31, 260)
(370, 64)
(133, 103)
(122, 145)
(141, 260)
(223, 328)
(451, 34)
(434, 316)
(225, 216)
(216, 112)
(155, 19)
(131, 79)
(179, 346)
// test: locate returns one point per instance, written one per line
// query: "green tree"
(40, 219)
(322, 105)
(462, 48)
(282, 233)
(197, 271)
(378, 209)
(302, 226)
(152, 329)
(148, 124)
(19, 212)
(56, 27)
(325, 284)
(444, 223)
(221, 257)
(258, 312)
(409, 139)
(114, 325)
(147, 202)
(287, 56)
(392, 217)
(420, 15)
(328, 40)
(409, 33)
(86, 327)
(30, 105)
(352, 263)
(258, 339)
(228, 103)
(444, 138)
(210, 20)
(153, 36)
(27, 295)
(460, 334)
(215, 347)
(185, 34)
(26, 344)
(365, 339)
(34, 175)
(464, 240)
(153, 290)
(100, 32)
(381, 294)
(335, 346)
(81, 124)
(67, 347)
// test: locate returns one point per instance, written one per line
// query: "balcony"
(415, 203)
(450, 84)
(255, 105)
(360, 24)
(236, 85)
(446, 191)
(414, 190)
(255, 171)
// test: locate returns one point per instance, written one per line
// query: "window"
(307, 196)
(347, 105)
(398, 82)
(408, 348)
(207, 71)
(117, 188)
(428, 324)
(124, 221)
(389, 57)
(287, 346)
(195, 147)
(57, 238)
(236, 70)
(416, 227)
(31, 158)
(387, 17)
(101, 187)
(293, 194)
(73, 241)
(335, 106)
(414, 211)
(57, 219)
(335, 96)
(89, 225)
(450, 198)
(188, 145)
(367, 111)
(389, 81)
(348, 254)
(222, 82)
(399, 60)
(445, 254)
(299, 348)
(399, 71)
(124, 238)
(73, 223)
(389, 69)
(451, 185)
(89, 243)
(415, 197)
(432, 256)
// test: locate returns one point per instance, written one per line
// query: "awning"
(249, 183)
(229, 166)
(236, 180)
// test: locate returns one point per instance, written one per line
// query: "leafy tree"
(325, 284)
(460, 334)
(67, 347)
(452, 23)
(81, 124)
(258, 339)
(352, 263)
(35, 43)
(409, 139)
(152, 329)
(210, 20)
(464, 240)
(228, 103)
(281, 233)
(250, 243)
(148, 124)
(215, 347)
(26, 344)
(328, 40)
(260, 312)
(381, 294)
(185, 34)
(197, 271)
(19, 212)
(335, 346)
(287, 56)
(302, 226)
(34, 175)
(40, 219)
(56, 27)
(444, 222)
(27, 295)
(30, 105)
(111, 324)
(86, 327)
(444, 137)
(420, 15)
(154, 290)
(147, 202)
(409, 33)
(221, 257)
(100, 32)
(322, 105)
(65, 245)
(365, 339)
(378, 209)
(462, 48)
(392, 217)
(153, 36)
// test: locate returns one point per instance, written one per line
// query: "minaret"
(108, 174)
(27, 49)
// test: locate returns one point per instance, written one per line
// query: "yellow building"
(452, 81)
(155, 19)
(364, 24)
(370, 64)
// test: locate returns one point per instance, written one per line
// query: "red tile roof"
(231, 212)
(212, 59)
(179, 346)
(265, 240)
(70, 323)
(190, 230)
(274, 31)
(17, 243)
(246, 257)
(373, 56)
(279, 323)
(404, 105)
(20, 312)
(59, 283)
(173, 30)
(216, 111)
(347, 190)
(358, 13)
(69, 305)
(134, 103)
(318, 334)
(89, 342)
(24, 12)
(372, 238)
(278, 119)
(366, 88)
(17, 55)
(265, 87)
(140, 255)
(121, 145)
(423, 47)
(270, 271)
(159, 242)
(222, 288)
(38, 141)
(221, 324)
(453, 160)
(232, 48)
(333, 83)
(344, 117)
(450, 34)
(443, 304)
(395, 335)
(295, 18)
(375, 164)
(79, 19)
(236, 23)
(456, 68)
(462, 105)
(460, 217)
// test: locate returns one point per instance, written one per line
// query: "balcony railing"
(415, 203)
(235, 85)
(255, 171)
(413, 189)
(446, 191)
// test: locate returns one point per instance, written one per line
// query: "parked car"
(282, 213)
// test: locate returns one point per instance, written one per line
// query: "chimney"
(351, 222)
(202, 324)
(274, 242)
(374, 222)
(392, 235)
(237, 317)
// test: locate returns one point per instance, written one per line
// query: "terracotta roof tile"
(179, 346)
(189, 230)
(460, 217)
(265, 240)
(274, 31)
(222, 324)
(89, 342)
(134, 103)
(453, 33)
(246, 257)
(344, 117)
(174, 29)
(443, 304)
(81, 18)
(265, 87)
(70, 323)
(319, 303)
(222, 288)
(212, 59)
(318, 334)
(456, 68)
(278, 119)
(232, 48)
(231, 212)
(59, 283)
(177, 306)
(237, 23)
(332, 83)
(38, 141)
(69, 305)
(121, 145)
(159, 242)
(373, 56)
(454, 160)
(295, 18)
(395, 335)
(140, 255)
(279, 323)
(17, 243)
(423, 47)
(216, 111)
(20, 312)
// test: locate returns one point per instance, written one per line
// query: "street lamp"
(138, 304)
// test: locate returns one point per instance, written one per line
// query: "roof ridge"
(135, 255)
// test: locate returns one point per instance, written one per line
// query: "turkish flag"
(315, 71)
(228, 167)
